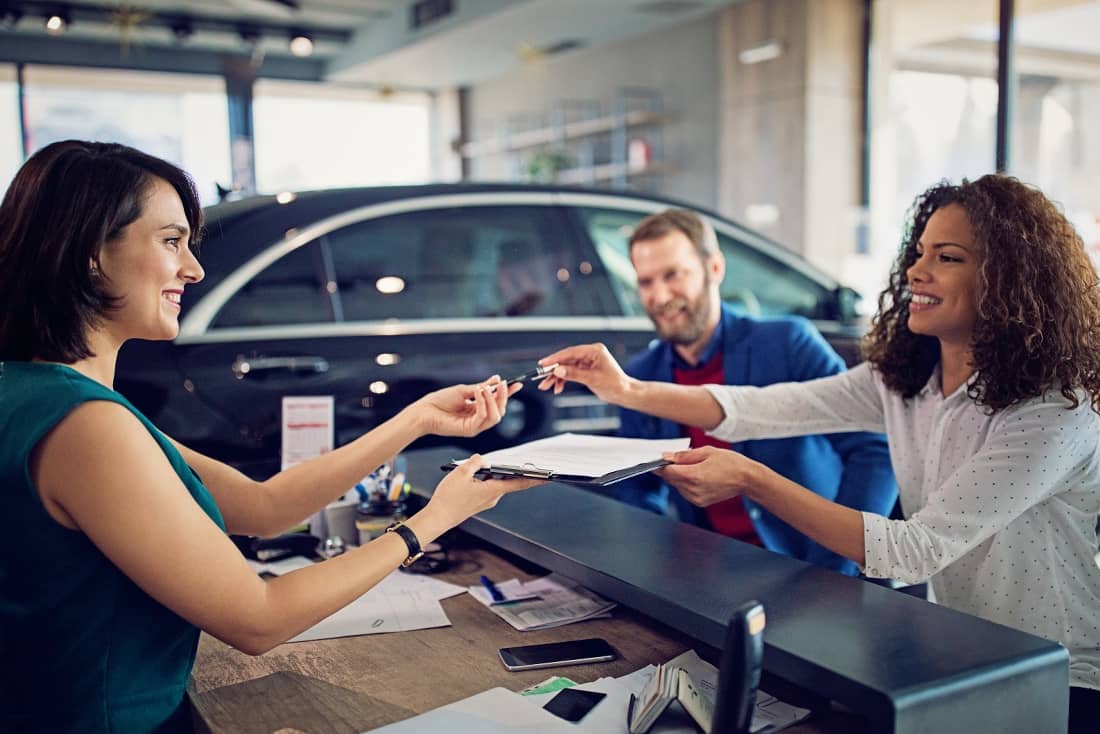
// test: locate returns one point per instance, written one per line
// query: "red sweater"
(728, 517)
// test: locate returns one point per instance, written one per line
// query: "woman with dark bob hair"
(983, 369)
(114, 553)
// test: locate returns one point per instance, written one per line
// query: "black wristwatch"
(411, 541)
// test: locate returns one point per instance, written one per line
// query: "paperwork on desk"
(398, 603)
(770, 713)
(499, 711)
(495, 711)
(559, 601)
(584, 459)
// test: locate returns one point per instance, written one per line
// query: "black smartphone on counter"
(553, 654)
(572, 704)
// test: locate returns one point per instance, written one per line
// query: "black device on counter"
(572, 704)
(739, 670)
(553, 654)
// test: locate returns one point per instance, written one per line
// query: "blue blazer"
(852, 469)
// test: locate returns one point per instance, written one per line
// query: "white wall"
(680, 62)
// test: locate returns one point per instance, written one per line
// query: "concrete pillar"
(790, 152)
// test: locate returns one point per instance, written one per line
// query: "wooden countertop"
(353, 684)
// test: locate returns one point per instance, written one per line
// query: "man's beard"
(698, 315)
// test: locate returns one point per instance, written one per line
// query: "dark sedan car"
(378, 295)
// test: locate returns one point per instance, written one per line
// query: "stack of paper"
(770, 713)
(496, 710)
(559, 601)
(399, 603)
(502, 712)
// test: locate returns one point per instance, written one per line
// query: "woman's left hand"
(708, 475)
(464, 410)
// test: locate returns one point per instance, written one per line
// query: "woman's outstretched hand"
(708, 474)
(460, 494)
(592, 366)
(464, 410)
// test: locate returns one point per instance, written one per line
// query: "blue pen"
(493, 590)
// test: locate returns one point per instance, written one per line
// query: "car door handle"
(244, 366)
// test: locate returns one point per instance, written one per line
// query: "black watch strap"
(411, 541)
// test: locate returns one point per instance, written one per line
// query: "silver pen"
(536, 373)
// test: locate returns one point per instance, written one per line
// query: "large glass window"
(1056, 120)
(314, 136)
(11, 149)
(178, 117)
(473, 261)
(755, 282)
(934, 109)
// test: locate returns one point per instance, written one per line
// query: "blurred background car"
(377, 296)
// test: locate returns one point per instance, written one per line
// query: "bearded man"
(680, 267)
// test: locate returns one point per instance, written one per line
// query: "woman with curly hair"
(983, 369)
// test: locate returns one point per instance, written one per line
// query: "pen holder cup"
(372, 518)
(339, 519)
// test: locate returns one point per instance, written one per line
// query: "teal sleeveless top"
(82, 648)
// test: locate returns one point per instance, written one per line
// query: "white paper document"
(560, 601)
(583, 455)
(307, 428)
(414, 583)
(373, 614)
(495, 711)
(398, 603)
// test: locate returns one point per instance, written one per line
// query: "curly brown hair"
(1038, 320)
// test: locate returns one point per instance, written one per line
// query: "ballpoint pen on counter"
(494, 592)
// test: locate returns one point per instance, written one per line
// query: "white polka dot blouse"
(1000, 509)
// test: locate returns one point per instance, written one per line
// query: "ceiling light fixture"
(301, 44)
(58, 22)
(763, 52)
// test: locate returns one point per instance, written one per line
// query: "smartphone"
(572, 652)
(573, 705)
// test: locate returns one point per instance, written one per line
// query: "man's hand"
(592, 366)
(708, 475)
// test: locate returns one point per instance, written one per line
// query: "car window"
(289, 291)
(755, 282)
(762, 285)
(462, 262)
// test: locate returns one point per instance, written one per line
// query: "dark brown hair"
(65, 203)
(1038, 320)
(694, 227)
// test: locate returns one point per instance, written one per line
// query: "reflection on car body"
(377, 296)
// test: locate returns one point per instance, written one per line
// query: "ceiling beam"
(104, 55)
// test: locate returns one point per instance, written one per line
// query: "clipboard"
(530, 471)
